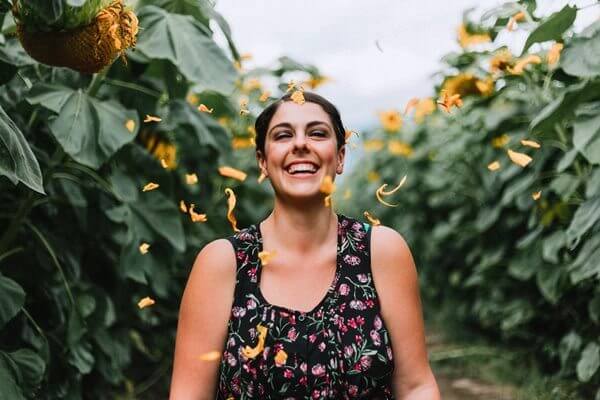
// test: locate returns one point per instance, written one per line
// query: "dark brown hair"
(264, 119)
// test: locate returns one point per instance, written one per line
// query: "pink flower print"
(353, 390)
(238, 312)
(322, 346)
(376, 337)
(252, 273)
(251, 304)
(365, 362)
(318, 370)
(292, 334)
(348, 351)
(231, 360)
(360, 246)
(240, 255)
(358, 339)
(288, 373)
(312, 338)
(389, 353)
(303, 380)
(357, 305)
(230, 342)
(316, 394)
(351, 259)
(360, 321)
(344, 223)
(342, 307)
(377, 323)
(303, 367)
(244, 235)
(277, 347)
(356, 226)
(344, 289)
(352, 323)
(362, 278)
(369, 303)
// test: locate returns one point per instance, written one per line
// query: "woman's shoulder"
(389, 249)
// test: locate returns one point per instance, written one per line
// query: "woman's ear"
(262, 163)
(340, 160)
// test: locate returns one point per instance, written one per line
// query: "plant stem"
(96, 82)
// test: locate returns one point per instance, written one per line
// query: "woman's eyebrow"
(308, 125)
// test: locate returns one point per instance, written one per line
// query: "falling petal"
(530, 143)
(519, 158)
(150, 186)
(411, 104)
(205, 109)
(291, 86)
(280, 358)
(191, 179)
(553, 55)
(145, 302)
(521, 64)
(266, 256)
(380, 192)
(210, 356)
(152, 118)
(536, 195)
(298, 97)
(327, 201)
(230, 206)
(493, 166)
(242, 143)
(182, 206)
(264, 96)
(327, 185)
(130, 125)
(163, 163)
(261, 177)
(195, 216)
(374, 221)
(230, 172)
(252, 352)
(244, 111)
(144, 248)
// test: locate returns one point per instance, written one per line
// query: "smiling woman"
(308, 303)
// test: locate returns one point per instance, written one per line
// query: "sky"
(379, 54)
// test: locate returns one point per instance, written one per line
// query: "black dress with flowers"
(339, 350)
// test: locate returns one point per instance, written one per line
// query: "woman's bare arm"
(202, 326)
(395, 276)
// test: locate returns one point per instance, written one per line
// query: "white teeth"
(304, 167)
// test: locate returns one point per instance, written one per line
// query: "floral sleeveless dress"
(339, 350)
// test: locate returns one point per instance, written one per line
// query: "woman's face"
(300, 133)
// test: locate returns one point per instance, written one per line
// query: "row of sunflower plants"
(112, 176)
(495, 183)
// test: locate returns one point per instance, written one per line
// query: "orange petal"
(145, 302)
(493, 166)
(553, 55)
(130, 125)
(411, 104)
(152, 118)
(205, 109)
(530, 143)
(519, 158)
(163, 163)
(191, 179)
(210, 356)
(374, 221)
(266, 256)
(327, 185)
(298, 97)
(536, 195)
(264, 96)
(196, 217)
(252, 352)
(230, 206)
(233, 173)
(182, 206)
(144, 248)
(327, 201)
(280, 358)
(150, 186)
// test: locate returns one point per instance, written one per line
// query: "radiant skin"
(299, 228)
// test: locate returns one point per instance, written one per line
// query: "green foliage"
(74, 157)
(521, 270)
(57, 15)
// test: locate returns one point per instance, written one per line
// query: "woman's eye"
(319, 133)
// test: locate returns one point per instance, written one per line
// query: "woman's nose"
(300, 140)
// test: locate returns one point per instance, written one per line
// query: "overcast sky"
(339, 37)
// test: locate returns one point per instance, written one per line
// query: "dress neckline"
(332, 287)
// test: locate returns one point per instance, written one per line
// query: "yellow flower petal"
(536, 195)
(242, 143)
(182, 206)
(191, 179)
(163, 163)
(210, 356)
(447, 102)
(130, 125)
(530, 143)
(327, 201)
(152, 118)
(205, 109)
(280, 358)
(150, 186)
(195, 216)
(144, 248)
(466, 39)
(264, 96)
(399, 148)
(519, 158)
(380, 192)
(553, 55)
(192, 99)
(390, 120)
(493, 166)
(230, 206)
(373, 144)
(521, 64)
(266, 256)
(374, 221)
(230, 172)
(252, 352)
(327, 185)
(298, 97)
(145, 302)
(412, 103)
(500, 141)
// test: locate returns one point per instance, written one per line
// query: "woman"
(309, 303)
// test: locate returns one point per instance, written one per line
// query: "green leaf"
(589, 362)
(548, 279)
(31, 368)
(185, 42)
(585, 217)
(51, 96)
(552, 245)
(564, 105)
(568, 346)
(17, 161)
(91, 131)
(9, 387)
(552, 28)
(12, 298)
(587, 263)
(586, 136)
(581, 56)
(594, 308)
